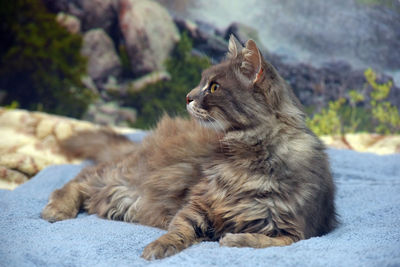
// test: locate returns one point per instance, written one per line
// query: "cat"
(244, 170)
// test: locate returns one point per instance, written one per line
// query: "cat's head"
(241, 92)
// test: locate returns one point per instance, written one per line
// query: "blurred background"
(126, 62)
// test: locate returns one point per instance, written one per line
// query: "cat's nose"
(188, 99)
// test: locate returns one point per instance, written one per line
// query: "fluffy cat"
(245, 171)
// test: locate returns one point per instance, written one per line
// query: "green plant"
(328, 121)
(41, 65)
(354, 118)
(385, 114)
(169, 96)
(13, 105)
(125, 62)
(379, 116)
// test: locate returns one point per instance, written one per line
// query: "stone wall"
(29, 143)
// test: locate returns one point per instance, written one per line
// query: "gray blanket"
(368, 202)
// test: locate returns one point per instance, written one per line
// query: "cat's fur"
(247, 172)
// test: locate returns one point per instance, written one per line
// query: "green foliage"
(14, 105)
(383, 112)
(380, 116)
(328, 121)
(125, 62)
(355, 97)
(41, 65)
(169, 96)
(352, 115)
(381, 91)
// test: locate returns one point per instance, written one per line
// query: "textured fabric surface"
(368, 202)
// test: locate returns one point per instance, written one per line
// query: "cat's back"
(179, 140)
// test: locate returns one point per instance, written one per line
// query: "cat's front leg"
(167, 245)
(187, 228)
(255, 240)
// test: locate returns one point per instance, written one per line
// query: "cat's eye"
(213, 87)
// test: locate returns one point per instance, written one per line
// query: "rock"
(63, 130)
(190, 27)
(70, 22)
(100, 14)
(148, 79)
(29, 142)
(45, 128)
(72, 7)
(212, 41)
(214, 47)
(88, 83)
(110, 114)
(91, 13)
(103, 59)
(242, 32)
(315, 86)
(112, 85)
(129, 86)
(205, 39)
(365, 142)
(149, 34)
(9, 178)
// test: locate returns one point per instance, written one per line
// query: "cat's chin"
(205, 120)
(213, 125)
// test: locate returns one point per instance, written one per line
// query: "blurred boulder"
(205, 39)
(148, 79)
(190, 27)
(87, 81)
(103, 60)
(149, 34)
(73, 7)
(214, 47)
(365, 142)
(315, 86)
(130, 86)
(112, 85)
(70, 22)
(92, 13)
(242, 32)
(100, 14)
(29, 142)
(110, 113)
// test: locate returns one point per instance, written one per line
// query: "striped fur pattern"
(245, 171)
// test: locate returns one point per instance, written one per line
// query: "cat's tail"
(99, 146)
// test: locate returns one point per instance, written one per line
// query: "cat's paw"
(233, 240)
(54, 213)
(158, 250)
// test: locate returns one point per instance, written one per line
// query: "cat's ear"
(251, 65)
(234, 48)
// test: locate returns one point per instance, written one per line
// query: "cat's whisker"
(223, 144)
